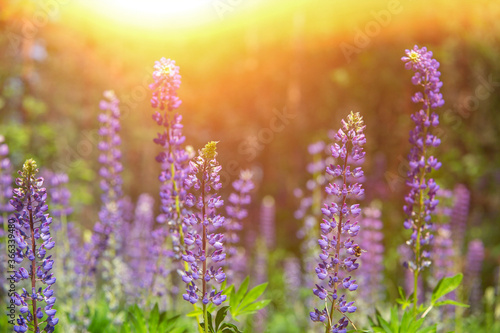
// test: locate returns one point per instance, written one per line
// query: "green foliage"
(101, 318)
(220, 326)
(412, 320)
(154, 322)
(244, 303)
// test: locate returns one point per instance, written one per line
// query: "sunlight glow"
(152, 12)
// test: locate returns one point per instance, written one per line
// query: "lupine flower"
(173, 157)
(111, 181)
(309, 212)
(5, 184)
(206, 245)
(59, 194)
(268, 221)
(236, 212)
(421, 200)
(459, 215)
(371, 269)
(338, 257)
(139, 240)
(475, 258)
(443, 253)
(292, 277)
(33, 239)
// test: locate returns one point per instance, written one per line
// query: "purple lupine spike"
(59, 194)
(421, 200)
(443, 253)
(293, 277)
(236, 212)
(206, 246)
(472, 278)
(268, 221)
(5, 185)
(173, 157)
(33, 238)
(139, 242)
(338, 257)
(459, 215)
(371, 268)
(111, 181)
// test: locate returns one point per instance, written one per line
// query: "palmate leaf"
(445, 286)
(244, 301)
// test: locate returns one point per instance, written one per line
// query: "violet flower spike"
(206, 245)
(236, 212)
(33, 240)
(173, 157)
(421, 200)
(339, 251)
(5, 190)
(111, 183)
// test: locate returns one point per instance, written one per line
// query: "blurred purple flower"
(372, 267)
(472, 273)
(111, 182)
(459, 215)
(236, 212)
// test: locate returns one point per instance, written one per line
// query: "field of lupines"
(212, 243)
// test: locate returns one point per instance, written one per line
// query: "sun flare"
(152, 12)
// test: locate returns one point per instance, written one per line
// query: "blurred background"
(266, 79)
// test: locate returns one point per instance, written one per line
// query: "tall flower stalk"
(204, 180)
(111, 184)
(339, 251)
(33, 238)
(421, 201)
(173, 157)
(5, 187)
(236, 212)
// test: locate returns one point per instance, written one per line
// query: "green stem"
(420, 220)
(339, 232)
(33, 248)
(203, 212)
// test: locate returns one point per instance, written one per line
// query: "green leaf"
(154, 319)
(445, 286)
(254, 307)
(210, 322)
(430, 329)
(406, 321)
(451, 302)
(221, 314)
(230, 327)
(394, 319)
(252, 295)
(100, 320)
(242, 291)
(415, 325)
(384, 324)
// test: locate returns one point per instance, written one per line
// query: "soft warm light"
(151, 12)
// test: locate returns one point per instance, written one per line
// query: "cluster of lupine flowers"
(339, 251)
(33, 239)
(421, 200)
(190, 241)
